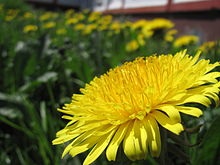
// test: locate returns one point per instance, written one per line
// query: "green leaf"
(47, 77)
(10, 113)
(208, 151)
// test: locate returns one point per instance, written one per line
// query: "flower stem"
(162, 158)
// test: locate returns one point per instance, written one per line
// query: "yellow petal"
(128, 144)
(140, 139)
(201, 99)
(211, 76)
(82, 143)
(134, 143)
(81, 147)
(171, 111)
(98, 148)
(167, 123)
(153, 135)
(193, 111)
(116, 141)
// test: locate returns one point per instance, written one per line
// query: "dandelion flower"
(47, 16)
(139, 24)
(126, 105)
(169, 36)
(71, 21)
(157, 25)
(132, 46)
(49, 25)
(206, 46)
(28, 15)
(185, 40)
(30, 28)
(88, 29)
(61, 31)
(79, 27)
(11, 14)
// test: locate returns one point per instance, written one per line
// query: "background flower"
(185, 40)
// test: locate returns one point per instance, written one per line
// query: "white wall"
(144, 3)
(182, 1)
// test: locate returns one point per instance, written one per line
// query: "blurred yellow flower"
(169, 36)
(79, 16)
(105, 20)
(1, 7)
(49, 25)
(88, 29)
(127, 24)
(11, 14)
(132, 46)
(156, 25)
(115, 26)
(71, 21)
(126, 106)
(85, 11)
(61, 31)
(79, 26)
(47, 15)
(69, 13)
(147, 33)
(30, 28)
(102, 27)
(28, 15)
(185, 40)
(140, 39)
(161, 23)
(206, 46)
(139, 24)
(94, 16)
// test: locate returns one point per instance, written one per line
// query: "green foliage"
(42, 65)
(209, 150)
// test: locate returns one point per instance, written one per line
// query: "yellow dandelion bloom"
(69, 13)
(169, 36)
(140, 39)
(116, 27)
(30, 28)
(206, 46)
(126, 105)
(132, 46)
(89, 29)
(94, 16)
(105, 20)
(102, 27)
(47, 15)
(11, 14)
(71, 21)
(79, 16)
(79, 26)
(49, 25)
(127, 24)
(185, 40)
(1, 7)
(139, 24)
(161, 23)
(158, 24)
(61, 31)
(28, 15)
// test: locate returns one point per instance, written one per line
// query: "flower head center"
(141, 114)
